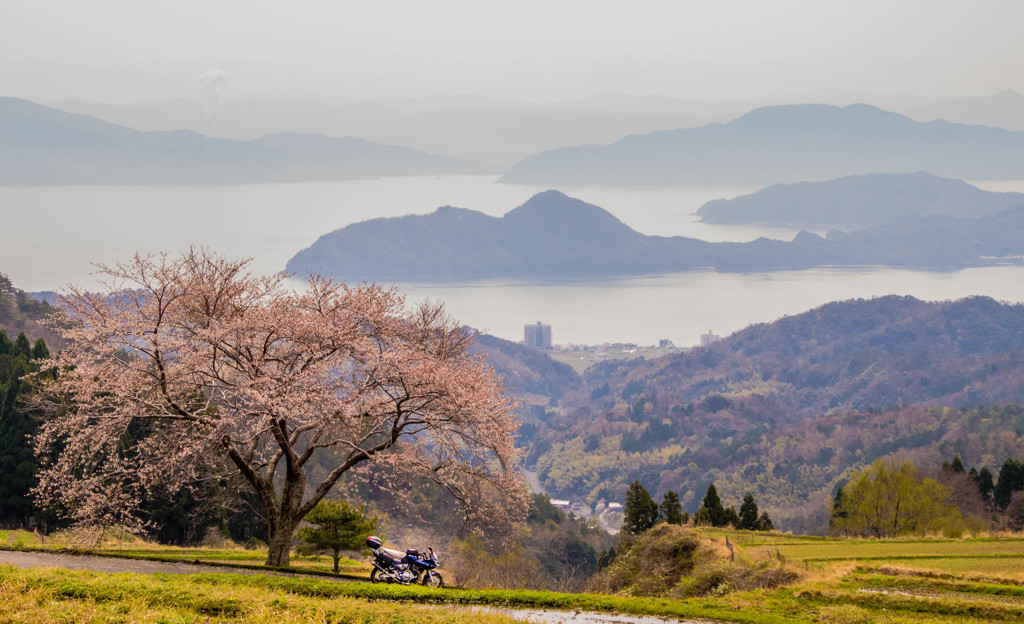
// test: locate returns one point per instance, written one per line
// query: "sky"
(122, 51)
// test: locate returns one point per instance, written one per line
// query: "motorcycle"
(393, 566)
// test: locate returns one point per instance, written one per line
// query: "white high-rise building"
(537, 336)
(709, 338)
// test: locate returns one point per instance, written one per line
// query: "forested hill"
(21, 313)
(683, 420)
(526, 370)
(856, 354)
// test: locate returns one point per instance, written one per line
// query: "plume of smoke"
(211, 89)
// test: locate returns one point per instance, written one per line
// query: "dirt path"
(114, 564)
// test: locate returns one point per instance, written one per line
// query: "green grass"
(1002, 556)
(40, 596)
(134, 548)
(859, 595)
(243, 558)
(19, 539)
(842, 581)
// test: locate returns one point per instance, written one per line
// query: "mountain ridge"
(42, 146)
(788, 143)
(556, 236)
(858, 201)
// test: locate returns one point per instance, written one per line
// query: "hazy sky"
(125, 50)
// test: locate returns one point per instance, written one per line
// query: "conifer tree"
(671, 510)
(22, 347)
(748, 513)
(986, 485)
(1011, 479)
(712, 507)
(641, 512)
(17, 459)
(39, 350)
(838, 516)
(337, 527)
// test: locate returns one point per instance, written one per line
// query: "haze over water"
(272, 222)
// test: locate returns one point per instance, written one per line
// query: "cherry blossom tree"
(191, 365)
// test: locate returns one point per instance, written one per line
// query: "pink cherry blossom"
(191, 364)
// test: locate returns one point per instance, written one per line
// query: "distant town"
(539, 336)
(607, 514)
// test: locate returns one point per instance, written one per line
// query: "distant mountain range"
(499, 132)
(778, 144)
(556, 236)
(859, 201)
(41, 145)
(1002, 110)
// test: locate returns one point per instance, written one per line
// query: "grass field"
(1002, 556)
(841, 581)
(134, 548)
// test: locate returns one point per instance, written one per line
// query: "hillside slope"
(809, 386)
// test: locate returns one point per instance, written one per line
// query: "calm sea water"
(54, 234)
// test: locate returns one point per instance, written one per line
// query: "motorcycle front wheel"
(433, 579)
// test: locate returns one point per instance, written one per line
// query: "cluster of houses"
(607, 514)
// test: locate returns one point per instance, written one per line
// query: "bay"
(52, 235)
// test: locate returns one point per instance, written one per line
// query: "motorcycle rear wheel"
(373, 576)
(433, 579)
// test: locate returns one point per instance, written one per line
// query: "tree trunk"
(280, 546)
(337, 557)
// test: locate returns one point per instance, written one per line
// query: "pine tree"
(731, 517)
(337, 527)
(39, 350)
(764, 523)
(748, 513)
(957, 466)
(1011, 479)
(641, 512)
(22, 347)
(839, 513)
(714, 512)
(671, 510)
(986, 485)
(18, 463)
